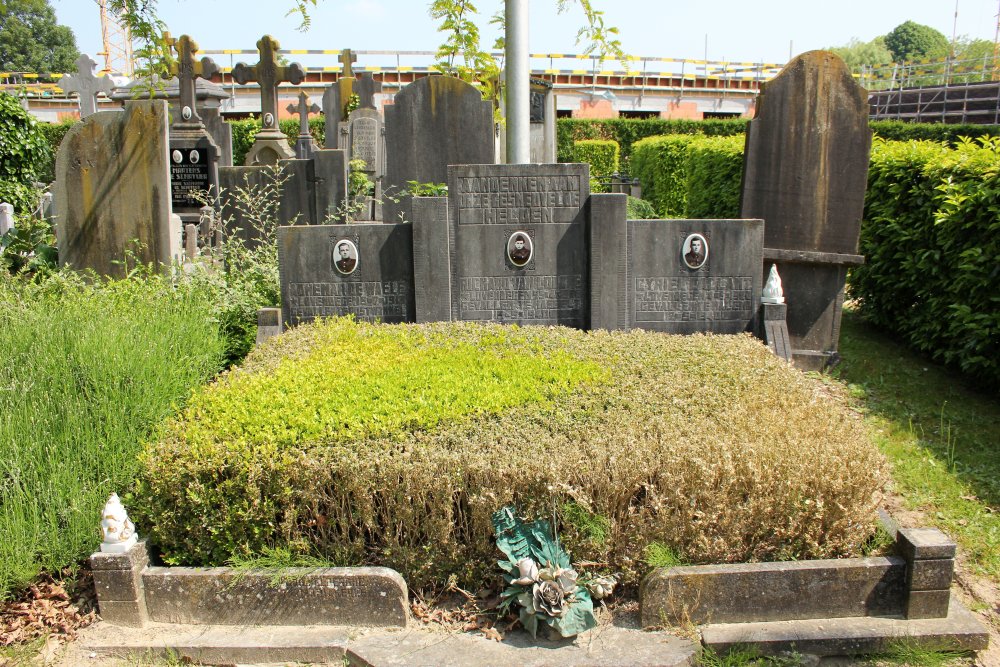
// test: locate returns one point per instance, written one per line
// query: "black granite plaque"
(189, 174)
(365, 270)
(688, 276)
(519, 243)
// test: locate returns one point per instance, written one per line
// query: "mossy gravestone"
(805, 173)
(113, 190)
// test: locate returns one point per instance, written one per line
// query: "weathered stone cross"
(268, 73)
(187, 69)
(347, 59)
(86, 85)
(303, 109)
(366, 87)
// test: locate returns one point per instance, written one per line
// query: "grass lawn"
(942, 437)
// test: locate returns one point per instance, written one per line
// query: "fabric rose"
(548, 596)
(528, 570)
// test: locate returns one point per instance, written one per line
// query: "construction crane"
(117, 43)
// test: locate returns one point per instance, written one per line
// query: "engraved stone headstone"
(112, 190)
(305, 145)
(518, 243)
(688, 276)
(365, 270)
(270, 144)
(86, 85)
(805, 173)
(194, 156)
(434, 122)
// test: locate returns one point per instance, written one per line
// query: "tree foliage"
(909, 41)
(32, 41)
(23, 149)
(857, 53)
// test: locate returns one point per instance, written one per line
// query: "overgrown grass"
(943, 438)
(86, 371)
(393, 445)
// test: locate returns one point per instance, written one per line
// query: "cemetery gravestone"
(805, 173)
(285, 192)
(305, 146)
(113, 190)
(364, 132)
(6, 218)
(335, 100)
(86, 85)
(434, 122)
(365, 270)
(270, 144)
(519, 243)
(194, 156)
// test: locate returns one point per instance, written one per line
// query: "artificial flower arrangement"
(541, 580)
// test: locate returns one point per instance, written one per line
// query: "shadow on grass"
(942, 436)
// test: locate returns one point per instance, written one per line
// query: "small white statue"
(117, 531)
(772, 292)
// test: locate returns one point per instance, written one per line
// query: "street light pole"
(518, 90)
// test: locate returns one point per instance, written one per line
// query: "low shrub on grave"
(602, 156)
(393, 445)
(86, 372)
(931, 239)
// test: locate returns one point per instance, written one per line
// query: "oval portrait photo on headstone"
(193, 157)
(519, 248)
(177, 157)
(345, 256)
(695, 251)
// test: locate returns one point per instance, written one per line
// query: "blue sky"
(762, 31)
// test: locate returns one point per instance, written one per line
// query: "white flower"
(528, 569)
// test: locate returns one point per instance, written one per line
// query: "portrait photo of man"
(345, 256)
(695, 251)
(519, 249)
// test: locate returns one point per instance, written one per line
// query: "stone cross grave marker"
(366, 87)
(347, 59)
(269, 143)
(194, 164)
(304, 145)
(86, 85)
(335, 98)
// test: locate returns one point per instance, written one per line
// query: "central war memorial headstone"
(519, 250)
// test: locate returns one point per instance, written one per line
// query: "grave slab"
(519, 243)
(365, 270)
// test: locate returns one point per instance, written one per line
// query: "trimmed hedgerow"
(931, 239)
(601, 155)
(898, 130)
(659, 164)
(393, 445)
(627, 131)
(691, 176)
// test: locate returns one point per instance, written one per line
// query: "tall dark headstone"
(805, 173)
(269, 144)
(284, 195)
(434, 122)
(194, 156)
(365, 270)
(519, 243)
(363, 136)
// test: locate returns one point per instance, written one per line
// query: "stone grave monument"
(805, 173)
(86, 85)
(363, 135)
(336, 97)
(434, 122)
(365, 270)
(194, 156)
(112, 190)
(270, 144)
(518, 243)
(305, 145)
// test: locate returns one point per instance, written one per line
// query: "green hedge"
(626, 131)
(691, 176)
(898, 130)
(54, 133)
(603, 157)
(931, 238)
(23, 150)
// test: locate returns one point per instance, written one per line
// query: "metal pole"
(517, 71)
